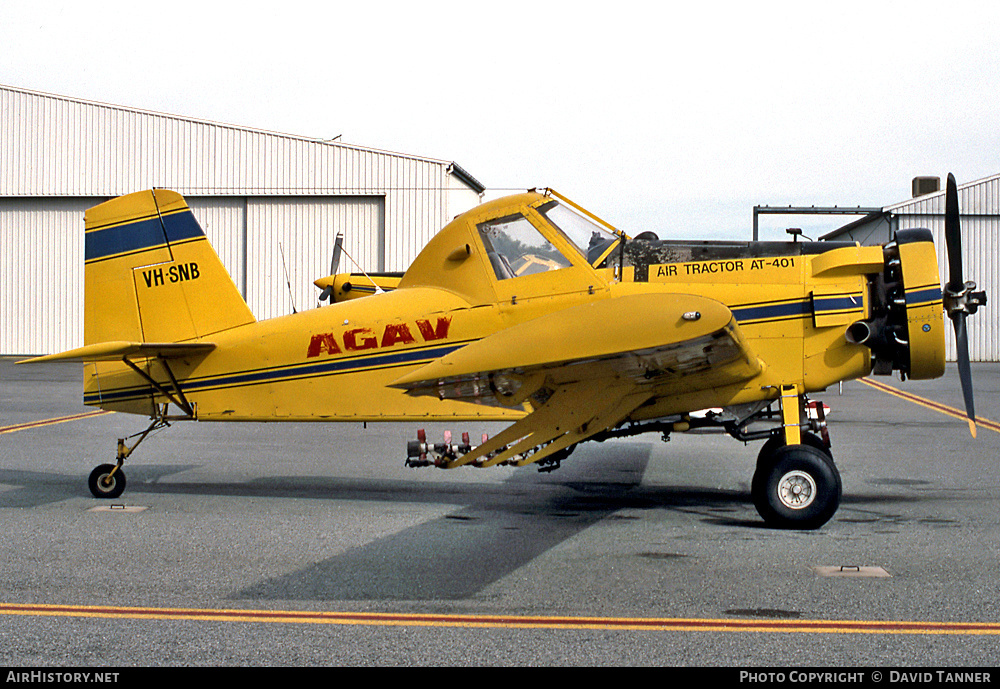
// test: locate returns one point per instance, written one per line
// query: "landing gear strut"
(108, 480)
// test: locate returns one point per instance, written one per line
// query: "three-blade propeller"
(959, 299)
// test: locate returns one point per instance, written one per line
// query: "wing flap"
(572, 414)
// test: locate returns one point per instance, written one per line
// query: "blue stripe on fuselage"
(771, 311)
(321, 368)
(839, 303)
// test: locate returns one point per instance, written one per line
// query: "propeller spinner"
(960, 300)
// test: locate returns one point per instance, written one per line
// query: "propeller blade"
(953, 235)
(338, 247)
(956, 287)
(964, 369)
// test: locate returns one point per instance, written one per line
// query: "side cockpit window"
(515, 248)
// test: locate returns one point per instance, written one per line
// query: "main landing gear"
(796, 484)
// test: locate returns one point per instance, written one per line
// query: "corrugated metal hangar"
(979, 205)
(271, 205)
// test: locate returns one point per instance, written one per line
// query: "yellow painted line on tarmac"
(51, 422)
(505, 621)
(932, 405)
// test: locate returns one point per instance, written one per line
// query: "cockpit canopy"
(522, 236)
(515, 247)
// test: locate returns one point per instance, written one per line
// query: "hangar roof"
(58, 145)
(979, 197)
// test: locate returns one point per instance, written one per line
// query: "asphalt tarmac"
(313, 545)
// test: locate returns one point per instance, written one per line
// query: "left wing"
(585, 369)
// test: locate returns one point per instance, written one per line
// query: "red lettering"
(367, 341)
(360, 339)
(324, 342)
(396, 332)
(434, 333)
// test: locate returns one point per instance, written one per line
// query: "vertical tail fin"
(150, 274)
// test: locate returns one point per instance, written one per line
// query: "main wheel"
(104, 484)
(796, 487)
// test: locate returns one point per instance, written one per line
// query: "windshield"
(516, 248)
(589, 238)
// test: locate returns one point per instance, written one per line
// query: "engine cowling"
(905, 330)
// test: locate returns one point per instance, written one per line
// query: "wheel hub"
(796, 490)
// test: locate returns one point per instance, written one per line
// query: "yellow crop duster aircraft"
(528, 310)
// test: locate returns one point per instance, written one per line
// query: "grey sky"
(659, 116)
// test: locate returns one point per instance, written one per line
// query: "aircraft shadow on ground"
(495, 529)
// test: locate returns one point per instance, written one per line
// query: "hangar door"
(41, 274)
(289, 240)
(224, 220)
(268, 243)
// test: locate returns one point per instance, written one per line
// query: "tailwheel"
(796, 487)
(107, 481)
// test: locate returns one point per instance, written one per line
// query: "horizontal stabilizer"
(115, 351)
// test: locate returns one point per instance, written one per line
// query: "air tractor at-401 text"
(734, 266)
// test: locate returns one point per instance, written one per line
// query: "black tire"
(776, 441)
(104, 484)
(796, 487)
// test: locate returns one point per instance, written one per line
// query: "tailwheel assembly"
(108, 480)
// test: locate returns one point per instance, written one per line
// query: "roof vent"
(926, 185)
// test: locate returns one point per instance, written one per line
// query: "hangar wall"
(270, 203)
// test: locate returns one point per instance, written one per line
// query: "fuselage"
(793, 304)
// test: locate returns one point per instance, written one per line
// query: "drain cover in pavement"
(850, 571)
